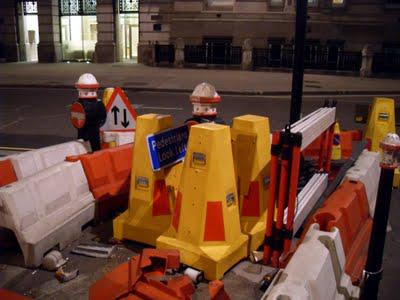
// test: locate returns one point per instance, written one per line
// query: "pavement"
(139, 77)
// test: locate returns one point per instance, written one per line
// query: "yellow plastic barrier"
(381, 121)
(336, 147)
(107, 95)
(396, 179)
(205, 227)
(251, 153)
(149, 212)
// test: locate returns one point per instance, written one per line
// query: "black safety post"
(373, 268)
(298, 66)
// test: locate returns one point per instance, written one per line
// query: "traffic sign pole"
(298, 67)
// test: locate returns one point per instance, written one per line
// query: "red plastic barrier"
(347, 209)
(9, 295)
(7, 174)
(108, 173)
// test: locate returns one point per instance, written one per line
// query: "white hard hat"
(87, 86)
(87, 81)
(205, 93)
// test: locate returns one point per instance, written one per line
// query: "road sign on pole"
(78, 115)
(167, 147)
(121, 116)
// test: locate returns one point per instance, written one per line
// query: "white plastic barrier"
(31, 162)
(315, 271)
(47, 209)
(367, 170)
(119, 137)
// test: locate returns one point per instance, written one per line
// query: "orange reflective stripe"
(7, 174)
(160, 199)
(251, 201)
(214, 226)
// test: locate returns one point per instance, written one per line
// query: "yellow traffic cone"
(336, 148)
(205, 227)
(149, 212)
(381, 121)
(107, 95)
(251, 153)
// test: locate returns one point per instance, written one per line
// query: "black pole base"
(370, 285)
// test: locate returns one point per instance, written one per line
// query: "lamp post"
(373, 268)
(298, 64)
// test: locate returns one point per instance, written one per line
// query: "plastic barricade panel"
(347, 209)
(108, 173)
(47, 209)
(316, 270)
(367, 170)
(31, 162)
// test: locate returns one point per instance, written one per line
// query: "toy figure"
(204, 99)
(88, 114)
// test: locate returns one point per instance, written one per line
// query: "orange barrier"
(9, 295)
(346, 144)
(7, 174)
(108, 173)
(347, 209)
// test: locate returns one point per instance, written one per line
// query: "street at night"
(202, 149)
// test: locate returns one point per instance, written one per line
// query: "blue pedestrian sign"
(167, 147)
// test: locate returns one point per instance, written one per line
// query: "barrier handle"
(271, 197)
(294, 179)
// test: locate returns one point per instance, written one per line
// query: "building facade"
(341, 34)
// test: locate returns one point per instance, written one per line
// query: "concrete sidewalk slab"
(139, 77)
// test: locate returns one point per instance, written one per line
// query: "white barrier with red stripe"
(47, 209)
(31, 162)
(316, 270)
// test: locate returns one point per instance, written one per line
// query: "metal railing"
(314, 58)
(386, 62)
(164, 54)
(210, 53)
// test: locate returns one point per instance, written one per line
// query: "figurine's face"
(204, 109)
(87, 93)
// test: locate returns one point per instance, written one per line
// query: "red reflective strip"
(251, 202)
(160, 199)
(214, 226)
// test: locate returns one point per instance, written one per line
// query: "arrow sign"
(115, 111)
(125, 123)
(121, 116)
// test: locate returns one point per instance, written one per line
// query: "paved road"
(33, 117)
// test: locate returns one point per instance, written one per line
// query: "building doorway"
(128, 30)
(28, 31)
(78, 29)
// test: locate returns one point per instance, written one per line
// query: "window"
(313, 3)
(338, 3)
(30, 8)
(220, 2)
(78, 7)
(276, 2)
(128, 6)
